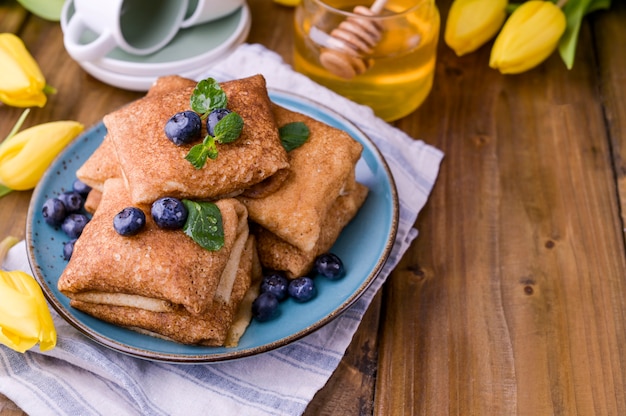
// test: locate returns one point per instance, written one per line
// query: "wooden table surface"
(512, 300)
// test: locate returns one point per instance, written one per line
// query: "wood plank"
(12, 16)
(512, 299)
(8, 408)
(612, 59)
(350, 390)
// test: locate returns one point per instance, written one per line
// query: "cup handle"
(217, 11)
(95, 49)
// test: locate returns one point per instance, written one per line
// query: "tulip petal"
(22, 82)
(24, 315)
(528, 37)
(27, 155)
(471, 23)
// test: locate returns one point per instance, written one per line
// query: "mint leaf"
(229, 128)
(208, 95)
(209, 145)
(293, 135)
(198, 154)
(204, 224)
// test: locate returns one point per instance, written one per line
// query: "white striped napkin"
(80, 377)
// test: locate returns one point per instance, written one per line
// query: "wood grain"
(514, 291)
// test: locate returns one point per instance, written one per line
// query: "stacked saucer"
(189, 54)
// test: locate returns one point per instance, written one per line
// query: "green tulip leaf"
(4, 190)
(574, 11)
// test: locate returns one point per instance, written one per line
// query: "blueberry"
(74, 224)
(81, 187)
(183, 127)
(53, 211)
(73, 201)
(276, 284)
(129, 221)
(68, 249)
(265, 307)
(214, 117)
(330, 265)
(169, 213)
(302, 289)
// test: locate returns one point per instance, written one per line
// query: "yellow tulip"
(25, 156)
(24, 315)
(528, 37)
(288, 3)
(471, 23)
(22, 84)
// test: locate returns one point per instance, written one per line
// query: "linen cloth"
(80, 377)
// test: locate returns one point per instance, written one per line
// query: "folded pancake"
(157, 270)
(277, 254)
(320, 171)
(154, 167)
(100, 166)
(103, 163)
(93, 200)
(170, 83)
(223, 323)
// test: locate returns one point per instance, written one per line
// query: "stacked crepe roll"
(280, 211)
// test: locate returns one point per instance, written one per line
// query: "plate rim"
(121, 347)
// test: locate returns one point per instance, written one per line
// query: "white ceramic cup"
(203, 11)
(139, 27)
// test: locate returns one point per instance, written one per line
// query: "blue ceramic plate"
(364, 246)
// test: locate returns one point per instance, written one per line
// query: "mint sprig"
(204, 224)
(293, 135)
(199, 154)
(227, 130)
(206, 97)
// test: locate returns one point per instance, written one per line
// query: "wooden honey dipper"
(353, 37)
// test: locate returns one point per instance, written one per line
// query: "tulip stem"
(561, 4)
(49, 89)
(5, 245)
(17, 126)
